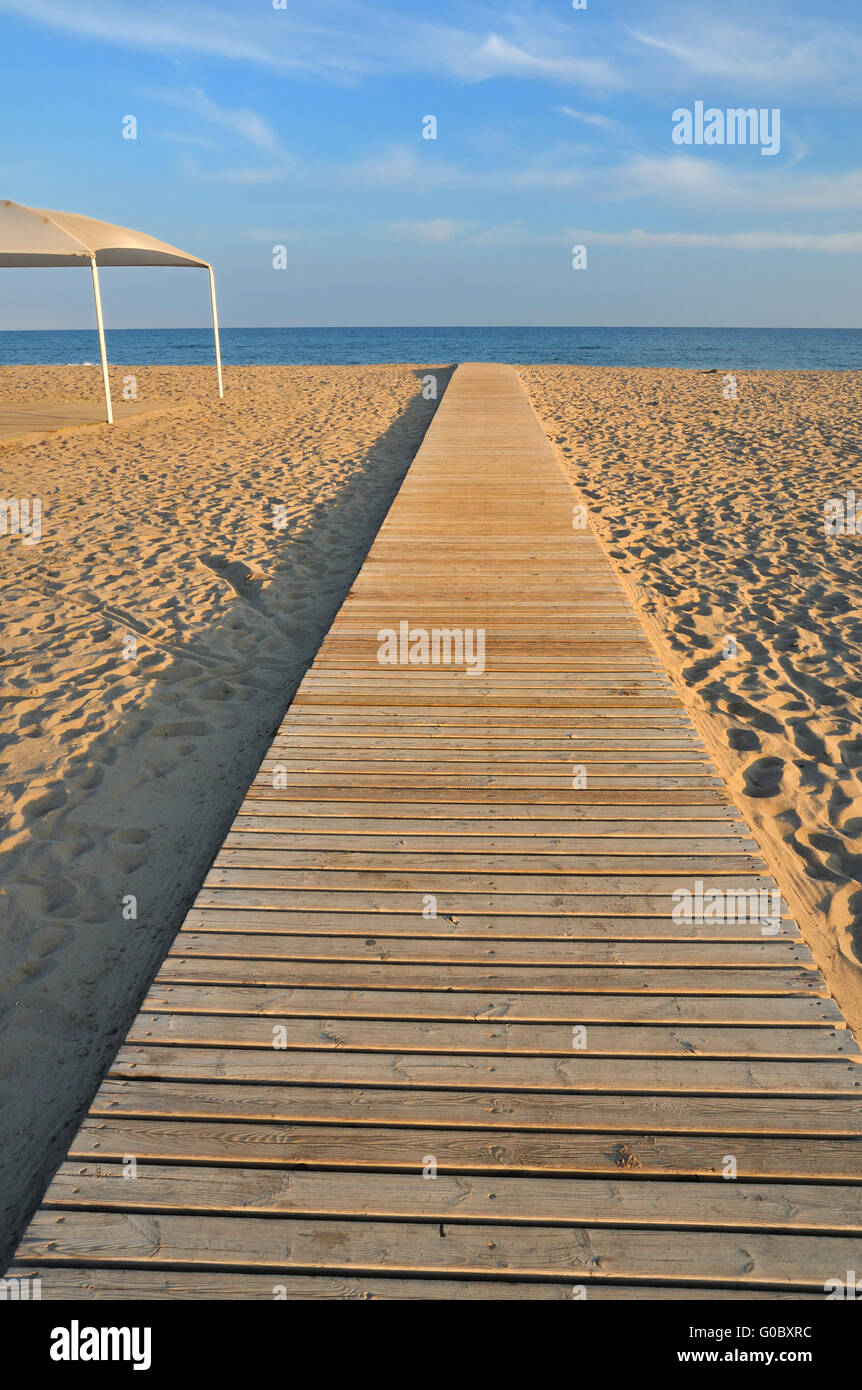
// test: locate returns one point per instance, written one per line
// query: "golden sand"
(714, 511)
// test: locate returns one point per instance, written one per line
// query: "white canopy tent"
(31, 237)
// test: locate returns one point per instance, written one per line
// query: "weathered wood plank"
(271, 836)
(800, 1207)
(236, 1029)
(585, 1253)
(479, 927)
(713, 980)
(67, 1282)
(419, 949)
(340, 1001)
(465, 1071)
(531, 862)
(607, 818)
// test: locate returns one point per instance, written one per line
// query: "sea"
(727, 349)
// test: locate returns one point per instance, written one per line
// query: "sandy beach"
(713, 510)
(153, 640)
(123, 762)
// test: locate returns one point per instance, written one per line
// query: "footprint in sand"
(89, 776)
(743, 740)
(39, 801)
(128, 849)
(763, 776)
(850, 751)
(181, 728)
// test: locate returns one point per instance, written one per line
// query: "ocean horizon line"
(706, 349)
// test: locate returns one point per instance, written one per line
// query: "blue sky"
(302, 126)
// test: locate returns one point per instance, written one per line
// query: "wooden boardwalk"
(586, 1073)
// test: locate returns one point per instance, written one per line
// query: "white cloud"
(177, 137)
(507, 234)
(684, 180)
(700, 180)
(401, 167)
(835, 243)
(763, 47)
(339, 38)
(434, 230)
(591, 118)
(496, 56)
(242, 121)
(224, 31)
(241, 174)
(276, 236)
(783, 53)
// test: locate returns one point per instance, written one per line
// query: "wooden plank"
(323, 832)
(711, 819)
(68, 1282)
(604, 883)
(388, 776)
(206, 1024)
(532, 862)
(471, 1072)
(651, 749)
(472, 978)
(800, 1207)
(449, 902)
(271, 836)
(675, 799)
(483, 802)
(339, 1001)
(480, 927)
(583, 1253)
(420, 949)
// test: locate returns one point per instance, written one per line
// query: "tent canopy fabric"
(31, 237)
(37, 237)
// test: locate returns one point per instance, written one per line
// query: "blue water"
(731, 349)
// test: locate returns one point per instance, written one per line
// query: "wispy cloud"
(399, 166)
(594, 119)
(276, 236)
(402, 168)
(834, 243)
(237, 174)
(512, 233)
(698, 181)
(783, 47)
(178, 137)
(241, 121)
(776, 51)
(516, 233)
(496, 56)
(342, 38)
(433, 230)
(216, 30)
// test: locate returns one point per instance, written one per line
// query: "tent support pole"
(103, 350)
(215, 332)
